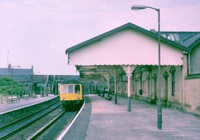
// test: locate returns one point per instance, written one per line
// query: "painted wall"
(191, 83)
(126, 47)
(192, 95)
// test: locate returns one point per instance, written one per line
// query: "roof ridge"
(180, 31)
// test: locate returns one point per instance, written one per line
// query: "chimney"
(9, 66)
(32, 70)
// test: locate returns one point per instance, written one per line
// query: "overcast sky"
(37, 32)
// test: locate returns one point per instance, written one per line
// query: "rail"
(42, 129)
(15, 126)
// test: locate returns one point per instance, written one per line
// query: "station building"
(125, 61)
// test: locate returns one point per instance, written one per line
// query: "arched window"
(173, 76)
(140, 91)
(133, 84)
(136, 86)
(155, 85)
(148, 86)
(165, 76)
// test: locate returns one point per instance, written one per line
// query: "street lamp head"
(141, 7)
(138, 7)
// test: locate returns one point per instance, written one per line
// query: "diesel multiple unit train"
(71, 94)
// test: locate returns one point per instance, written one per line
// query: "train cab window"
(64, 89)
(77, 88)
(70, 89)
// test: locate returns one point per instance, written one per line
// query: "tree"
(9, 86)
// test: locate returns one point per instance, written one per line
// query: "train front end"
(71, 95)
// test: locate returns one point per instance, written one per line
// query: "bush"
(9, 86)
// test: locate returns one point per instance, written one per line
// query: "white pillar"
(129, 69)
(129, 84)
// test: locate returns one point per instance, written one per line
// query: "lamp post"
(159, 105)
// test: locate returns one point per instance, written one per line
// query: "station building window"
(132, 83)
(140, 78)
(165, 76)
(173, 81)
(144, 86)
(148, 86)
(155, 86)
(136, 86)
(194, 63)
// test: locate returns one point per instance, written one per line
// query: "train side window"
(77, 88)
(70, 89)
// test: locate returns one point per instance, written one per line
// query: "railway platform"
(6, 107)
(109, 121)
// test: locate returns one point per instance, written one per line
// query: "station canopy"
(126, 45)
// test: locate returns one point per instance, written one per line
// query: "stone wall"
(192, 95)
(191, 90)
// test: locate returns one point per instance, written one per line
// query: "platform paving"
(6, 107)
(109, 121)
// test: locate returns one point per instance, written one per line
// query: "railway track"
(54, 130)
(45, 127)
(46, 123)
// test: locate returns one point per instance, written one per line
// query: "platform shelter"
(116, 55)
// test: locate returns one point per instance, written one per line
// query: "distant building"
(45, 84)
(22, 75)
(36, 84)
